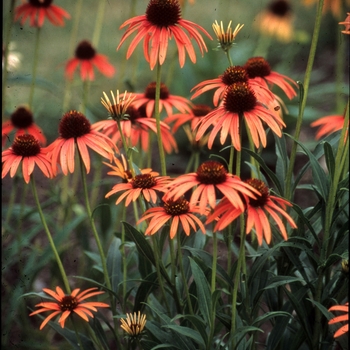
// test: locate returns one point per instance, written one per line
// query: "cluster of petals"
(87, 59)
(328, 125)
(148, 184)
(26, 150)
(257, 214)
(66, 304)
(76, 130)
(37, 11)
(179, 212)
(346, 23)
(342, 318)
(161, 23)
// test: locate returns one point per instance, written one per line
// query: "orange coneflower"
(232, 74)
(334, 6)
(343, 318)
(146, 184)
(258, 212)
(166, 100)
(66, 304)
(38, 10)
(329, 125)
(179, 211)
(120, 169)
(26, 150)
(22, 121)
(259, 70)
(240, 101)
(134, 324)
(346, 23)
(194, 116)
(87, 57)
(276, 21)
(136, 128)
(161, 23)
(75, 129)
(209, 177)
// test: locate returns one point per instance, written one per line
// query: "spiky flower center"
(234, 74)
(150, 92)
(143, 181)
(85, 51)
(68, 303)
(26, 145)
(22, 118)
(211, 173)
(239, 98)
(280, 8)
(74, 124)
(262, 188)
(201, 110)
(257, 67)
(41, 3)
(163, 13)
(178, 207)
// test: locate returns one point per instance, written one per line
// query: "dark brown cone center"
(85, 51)
(178, 207)
(163, 13)
(234, 74)
(150, 92)
(74, 124)
(280, 8)
(201, 110)
(68, 303)
(211, 173)
(143, 181)
(262, 188)
(22, 118)
(239, 98)
(26, 146)
(42, 3)
(257, 67)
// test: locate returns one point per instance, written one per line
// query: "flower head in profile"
(232, 75)
(38, 10)
(258, 212)
(179, 212)
(134, 324)
(210, 177)
(75, 130)
(259, 70)
(120, 169)
(66, 304)
(276, 21)
(166, 101)
(25, 150)
(329, 125)
(87, 58)
(117, 109)
(22, 121)
(226, 38)
(346, 23)
(136, 127)
(343, 318)
(240, 102)
(161, 23)
(148, 183)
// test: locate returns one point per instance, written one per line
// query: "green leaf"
(114, 263)
(197, 323)
(143, 291)
(330, 161)
(282, 163)
(278, 281)
(99, 332)
(203, 292)
(187, 332)
(261, 319)
(324, 310)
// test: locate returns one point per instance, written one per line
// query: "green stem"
(77, 334)
(35, 66)
(182, 271)
(98, 23)
(215, 258)
(302, 103)
(124, 257)
(340, 159)
(49, 236)
(229, 58)
(6, 42)
(86, 88)
(157, 116)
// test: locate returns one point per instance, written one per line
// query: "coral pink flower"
(346, 23)
(75, 130)
(343, 318)
(161, 23)
(239, 101)
(26, 150)
(166, 101)
(258, 212)
(136, 128)
(66, 304)
(232, 74)
(210, 177)
(38, 10)
(196, 113)
(329, 125)
(259, 70)
(179, 211)
(87, 57)
(22, 121)
(147, 184)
